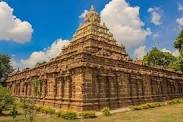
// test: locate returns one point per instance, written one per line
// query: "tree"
(5, 67)
(178, 64)
(6, 101)
(178, 44)
(158, 58)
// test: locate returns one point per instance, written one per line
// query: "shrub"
(153, 105)
(38, 107)
(181, 100)
(137, 107)
(47, 110)
(87, 114)
(6, 101)
(69, 115)
(175, 101)
(18, 103)
(172, 102)
(59, 113)
(14, 112)
(106, 111)
(146, 106)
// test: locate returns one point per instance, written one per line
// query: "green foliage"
(155, 104)
(14, 112)
(179, 42)
(156, 57)
(5, 67)
(106, 111)
(6, 101)
(28, 107)
(58, 113)
(175, 101)
(38, 107)
(30, 103)
(87, 114)
(69, 115)
(178, 64)
(146, 106)
(47, 110)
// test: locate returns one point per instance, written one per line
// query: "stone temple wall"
(94, 86)
(93, 72)
(119, 85)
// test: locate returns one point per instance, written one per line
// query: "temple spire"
(92, 8)
(92, 16)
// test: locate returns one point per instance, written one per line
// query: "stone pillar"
(58, 89)
(18, 88)
(43, 93)
(29, 90)
(21, 88)
(13, 88)
(148, 87)
(87, 84)
(62, 88)
(66, 88)
(164, 85)
(133, 88)
(124, 94)
(25, 89)
(51, 85)
(111, 86)
(78, 82)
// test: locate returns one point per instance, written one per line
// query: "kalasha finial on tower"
(92, 16)
(92, 8)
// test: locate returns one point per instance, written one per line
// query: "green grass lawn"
(170, 113)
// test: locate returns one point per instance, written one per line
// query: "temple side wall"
(61, 91)
(93, 89)
(115, 90)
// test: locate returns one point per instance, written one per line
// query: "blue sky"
(58, 19)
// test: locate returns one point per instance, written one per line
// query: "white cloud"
(180, 21)
(140, 52)
(82, 16)
(12, 28)
(155, 35)
(124, 22)
(180, 7)
(155, 15)
(13, 62)
(45, 55)
(174, 53)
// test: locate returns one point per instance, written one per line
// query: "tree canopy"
(165, 59)
(158, 58)
(5, 67)
(178, 44)
(6, 101)
(178, 64)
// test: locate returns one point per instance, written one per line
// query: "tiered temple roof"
(93, 37)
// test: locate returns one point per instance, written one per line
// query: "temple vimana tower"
(93, 72)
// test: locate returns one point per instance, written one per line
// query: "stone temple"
(93, 72)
